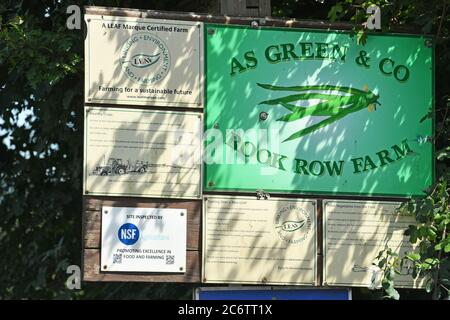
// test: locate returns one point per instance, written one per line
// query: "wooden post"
(245, 8)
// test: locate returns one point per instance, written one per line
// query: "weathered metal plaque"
(246, 240)
(354, 233)
(139, 61)
(142, 153)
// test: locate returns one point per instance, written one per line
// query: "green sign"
(314, 112)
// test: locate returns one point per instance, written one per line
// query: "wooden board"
(92, 207)
(249, 8)
(229, 19)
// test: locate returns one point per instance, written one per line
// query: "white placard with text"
(354, 233)
(142, 153)
(143, 239)
(252, 241)
(138, 61)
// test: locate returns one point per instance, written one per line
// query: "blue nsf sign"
(128, 234)
(271, 293)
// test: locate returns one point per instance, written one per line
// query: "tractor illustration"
(139, 167)
(116, 166)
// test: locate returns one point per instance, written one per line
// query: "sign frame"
(180, 215)
(209, 185)
(90, 260)
(199, 115)
(90, 97)
(91, 240)
(315, 241)
(324, 247)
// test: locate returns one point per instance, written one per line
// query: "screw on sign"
(263, 116)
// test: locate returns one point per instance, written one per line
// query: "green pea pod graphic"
(335, 106)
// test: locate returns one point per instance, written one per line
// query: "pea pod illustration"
(337, 105)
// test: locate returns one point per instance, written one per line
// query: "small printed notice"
(142, 153)
(252, 241)
(354, 233)
(139, 61)
(143, 239)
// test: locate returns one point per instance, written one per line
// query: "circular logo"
(128, 234)
(145, 58)
(293, 224)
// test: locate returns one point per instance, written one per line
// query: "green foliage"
(390, 264)
(430, 259)
(336, 12)
(40, 96)
(432, 233)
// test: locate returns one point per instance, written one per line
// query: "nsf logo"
(128, 234)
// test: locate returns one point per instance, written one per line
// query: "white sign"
(252, 241)
(142, 153)
(143, 239)
(139, 61)
(354, 233)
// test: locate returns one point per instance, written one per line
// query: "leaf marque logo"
(291, 226)
(141, 60)
(145, 58)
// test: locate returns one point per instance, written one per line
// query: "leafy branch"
(430, 258)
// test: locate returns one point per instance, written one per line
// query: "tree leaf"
(413, 256)
(335, 12)
(447, 248)
(361, 37)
